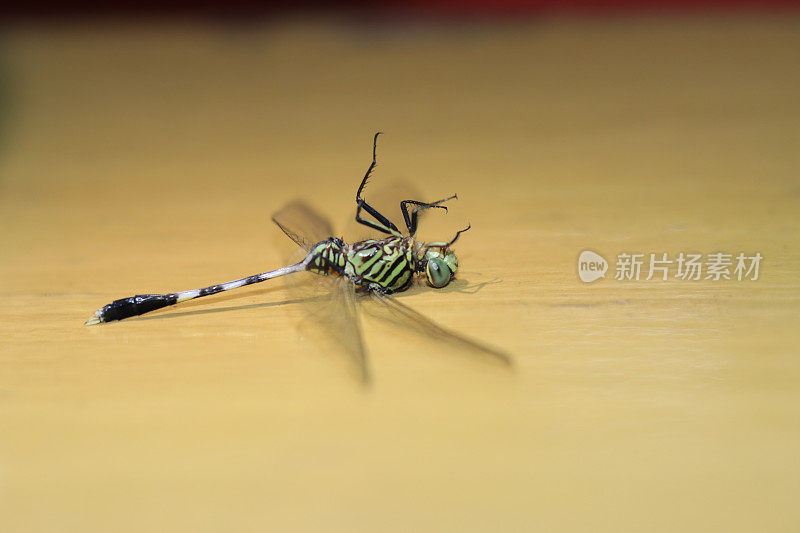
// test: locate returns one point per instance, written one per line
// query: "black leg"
(411, 221)
(458, 233)
(384, 224)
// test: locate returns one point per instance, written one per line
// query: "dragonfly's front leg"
(411, 220)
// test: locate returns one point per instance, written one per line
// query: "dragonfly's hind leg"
(377, 288)
(411, 220)
(382, 223)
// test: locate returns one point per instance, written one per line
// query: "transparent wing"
(333, 318)
(330, 301)
(400, 313)
(303, 224)
(351, 337)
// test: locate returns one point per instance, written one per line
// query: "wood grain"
(149, 159)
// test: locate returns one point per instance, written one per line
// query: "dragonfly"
(376, 268)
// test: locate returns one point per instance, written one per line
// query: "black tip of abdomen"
(136, 305)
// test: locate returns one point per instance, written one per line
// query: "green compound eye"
(438, 273)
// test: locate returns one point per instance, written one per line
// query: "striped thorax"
(386, 265)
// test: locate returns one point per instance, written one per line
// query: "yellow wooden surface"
(149, 159)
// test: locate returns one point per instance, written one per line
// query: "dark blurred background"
(431, 9)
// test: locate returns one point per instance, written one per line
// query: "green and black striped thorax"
(385, 265)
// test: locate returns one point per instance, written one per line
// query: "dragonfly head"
(440, 262)
(441, 266)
